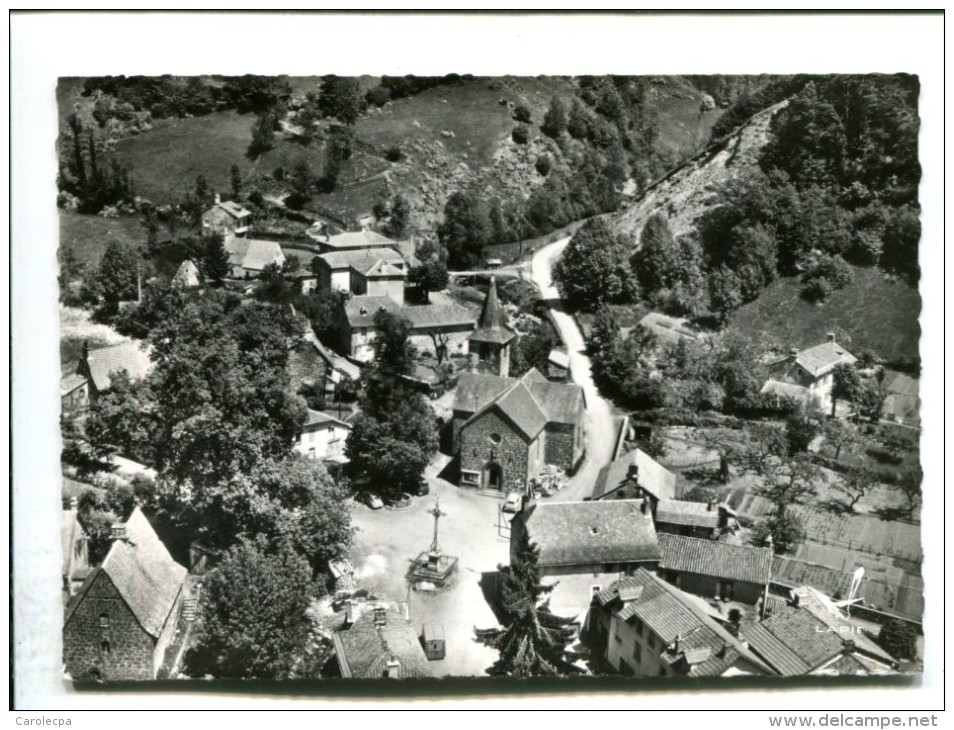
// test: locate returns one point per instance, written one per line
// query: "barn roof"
(360, 260)
(695, 514)
(233, 209)
(819, 359)
(716, 559)
(653, 476)
(476, 390)
(253, 254)
(128, 356)
(143, 572)
(319, 418)
(358, 239)
(589, 533)
(364, 649)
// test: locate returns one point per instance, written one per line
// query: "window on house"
(638, 652)
(103, 621)
(651, 641)
(638, 625)
(495, 438)
(104, 646)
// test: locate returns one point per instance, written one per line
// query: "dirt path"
(600, 424)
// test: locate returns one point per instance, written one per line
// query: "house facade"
(644, 627)
(75, 544)
(807, 376)
(228, 218)
(714, 569)
(507, 429)
(122, 619)
(691, 519)
(323, 437)
(375, 272)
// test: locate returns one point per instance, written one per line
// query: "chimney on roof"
(363, 310)
(85, 353)
(793, 352)
(380, 617)
(633, 474)
(393, 670)
(675, 645)
(769, 542)
(218, 198)
(118, 531)
(831, 336)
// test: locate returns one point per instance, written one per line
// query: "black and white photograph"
(390, 375)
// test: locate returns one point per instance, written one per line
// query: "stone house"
(74, 395)
(645, 627)
(811, 635)
(186, 276)
(808, 375)
(506, 429)
(586, 538)
(635, 475)
(714, 569)
(228, 218)
(691, 519)
(122, 619)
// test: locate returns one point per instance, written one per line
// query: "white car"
(512, 502)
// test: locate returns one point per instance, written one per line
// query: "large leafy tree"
(533, 640)
(465, 230)
(846, 385)
(122, 420)
(341, 97)
(554, 121)
(116, 277)
(251, 620)
(593, 269)
(786, 530)
(430, 275)
(213, 259)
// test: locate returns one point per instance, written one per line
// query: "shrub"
(393, 154)
(818, 290)
(520, 134)
(522, 113)
(378, 96)
(827, 274)
(544, 164)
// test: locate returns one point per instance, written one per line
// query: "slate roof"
(231, 208)
(70, 382)
(820, 359)
(476, 390)
(360, 260)
(422, 318)
(559, 358)
(357, 239)
(704, 647)
(653, 476)
(492, 326)
(128, 356)
(253, 254)
(591, 533)
(143, 572)
(561, 402)
(786, 390)
(800, 639)
(715, 559)
(363, 650)
(520, 407)
(695, 514)
(318, 418)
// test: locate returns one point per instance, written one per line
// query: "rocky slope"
(691, 189)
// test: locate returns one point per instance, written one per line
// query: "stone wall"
(131, 653)
(511, 453)
(563, 448)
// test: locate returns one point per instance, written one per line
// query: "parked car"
(512, 502)
(423, 487)
(372, 500)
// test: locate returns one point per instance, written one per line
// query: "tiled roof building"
(379, 643)
(633, 476)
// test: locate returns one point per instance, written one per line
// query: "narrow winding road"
(600, 430)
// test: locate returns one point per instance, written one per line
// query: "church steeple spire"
(493, 335)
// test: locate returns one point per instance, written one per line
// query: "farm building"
(363, 272)
(633, 476)
(96, 368)
(692, 519)
(356, 241)
(323, 437)
(714, 569)
(249, 256)
(376, 641)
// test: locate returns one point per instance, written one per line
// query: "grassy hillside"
(879, 313)
(87, 235)
(454, 137)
